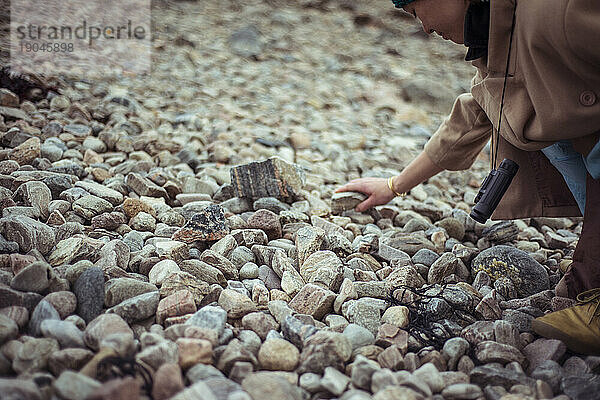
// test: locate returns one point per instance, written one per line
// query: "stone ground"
(137, 262)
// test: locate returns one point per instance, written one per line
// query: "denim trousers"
(574, 167)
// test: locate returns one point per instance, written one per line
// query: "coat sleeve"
(461, 137)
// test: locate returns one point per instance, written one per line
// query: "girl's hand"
(376, 188)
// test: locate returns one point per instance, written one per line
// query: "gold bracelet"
(391, 186)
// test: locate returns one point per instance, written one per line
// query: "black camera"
(492, 189)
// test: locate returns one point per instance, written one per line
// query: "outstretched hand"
(376, 188)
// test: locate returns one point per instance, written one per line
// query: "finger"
(351, 187)
(365, 205)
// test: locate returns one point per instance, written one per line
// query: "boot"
(578, 326)
(584, 272)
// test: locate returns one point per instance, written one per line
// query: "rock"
(194, 351)
(90, 206)
(117, 389)
(410, 243)
(161, 270)
(267, 221)
(28, 233)
(66, 333)
(478, 331)
(406, 275)
(207, 225)
(168, 381)
(334, 381)
(260, 322)
(362, 372)
(462, 391)
(308, 240)
(324, 349)
(103, 326)
(233, 353)
(542, 350)
(501, 232)
(430, 375)
(11, 297)
(27, 151)
(363, 314)
(425, 256)
(236, 304)
(455, 348)
(174, 305)
(8, 329)
(89, 289)
(137, 308)
(74, 386)
(295, 331)
(278, 355)
(528, 276)
(497, 376)
(185, 281)
(582, 387)
(265, 385)
(73, 249)
(313, 300)
(34, 194)
(273, 177)
(519, 319)
(397, 316)
(33, 355)
(344, 201)
(489, 351)
(143, 222)
(33, 278)
(249, 271)
(158, 354)
(64, 302)
(323, 268)
(144, 186)
(358, 336)
(42, 311)
(445, 265)
(20, 388)
(120, 289)
(209, 317)
(68, 359)
(99, 190)
(550, 372)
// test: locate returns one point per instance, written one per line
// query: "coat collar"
(500, 24)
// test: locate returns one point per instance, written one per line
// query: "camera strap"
(495, 148)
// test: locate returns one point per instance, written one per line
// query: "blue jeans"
(574, 167)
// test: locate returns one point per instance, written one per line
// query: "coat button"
(587, 98)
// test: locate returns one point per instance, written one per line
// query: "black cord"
(512, 30)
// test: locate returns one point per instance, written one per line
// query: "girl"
(538, 68)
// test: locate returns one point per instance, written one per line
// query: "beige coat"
(552, 93)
